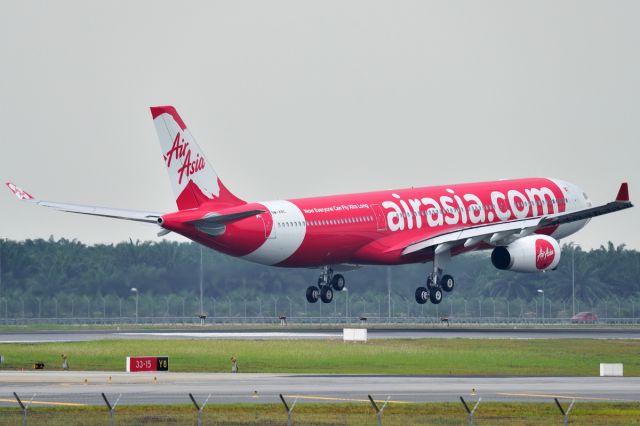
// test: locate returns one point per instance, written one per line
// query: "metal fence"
(276, 409)
(150, 309)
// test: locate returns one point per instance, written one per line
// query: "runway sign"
(147, 363)
(354, 334)
(611, 370)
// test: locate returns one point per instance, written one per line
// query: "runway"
(70, 388)
(324, 333)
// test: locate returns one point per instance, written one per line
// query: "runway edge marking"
(329, 398)
(62, 404)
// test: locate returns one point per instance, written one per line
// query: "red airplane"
(521, 220)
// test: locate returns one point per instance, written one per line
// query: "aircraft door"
(270, 228)
(381, 221)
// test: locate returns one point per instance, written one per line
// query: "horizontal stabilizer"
(219, 219)
(135, 215)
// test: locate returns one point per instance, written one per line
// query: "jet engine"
(528, 254)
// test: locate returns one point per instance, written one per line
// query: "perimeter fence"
(346, 308)
(277, 409)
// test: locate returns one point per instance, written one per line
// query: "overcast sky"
(295, 98)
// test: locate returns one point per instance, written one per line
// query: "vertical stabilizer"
(193, 180)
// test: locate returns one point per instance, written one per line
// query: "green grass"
(463, 357)
(489, 413)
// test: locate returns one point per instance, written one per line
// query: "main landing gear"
(436, 281)
(327, 284)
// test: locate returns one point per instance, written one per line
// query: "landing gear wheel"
(435, 296)
(338, 282)
(312, 294)
(447, 283)
(326, 294)
(422, 295)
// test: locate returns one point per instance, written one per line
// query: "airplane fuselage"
(373, 228)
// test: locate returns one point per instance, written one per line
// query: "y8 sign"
(147, 363)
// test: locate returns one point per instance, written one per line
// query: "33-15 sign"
(147, 363)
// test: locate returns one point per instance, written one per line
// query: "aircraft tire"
(435, 296)
(312, 294)
(422, 295)
(326, 294)
(447, 283)
(338, 282)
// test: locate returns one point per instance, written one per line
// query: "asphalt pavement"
(442, 332)
(78, 387)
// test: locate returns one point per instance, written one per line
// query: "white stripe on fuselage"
(286, 236)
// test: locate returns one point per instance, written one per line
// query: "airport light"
(201, 280)
(573, 276)
(389, 291)
(2, 241)
(542, 293)
(135, 290)
(275, 306)
(346, 304)
(290, 307)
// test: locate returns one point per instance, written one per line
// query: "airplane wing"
(135, 215)
(497, 233)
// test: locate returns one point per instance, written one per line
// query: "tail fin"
(193, 179)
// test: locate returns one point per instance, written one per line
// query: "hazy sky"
(297, 98)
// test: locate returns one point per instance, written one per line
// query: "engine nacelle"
(534, 253)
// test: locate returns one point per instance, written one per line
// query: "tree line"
(51, 268)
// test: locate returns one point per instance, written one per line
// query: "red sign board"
(147, 363)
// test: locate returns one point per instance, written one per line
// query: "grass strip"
(455, 357)
(448, 413)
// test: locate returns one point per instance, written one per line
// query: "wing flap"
(475, 234)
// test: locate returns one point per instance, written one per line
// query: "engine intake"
(528, 254)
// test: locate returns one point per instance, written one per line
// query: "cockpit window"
(584, 194)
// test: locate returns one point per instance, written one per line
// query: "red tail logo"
(545, 254)
(180, 151)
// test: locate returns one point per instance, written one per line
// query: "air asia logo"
(180, 151)
(454, 209)
(545, 254)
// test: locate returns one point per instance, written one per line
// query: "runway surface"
(70, 388)
(325, 333)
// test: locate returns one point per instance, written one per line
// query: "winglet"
(623, 193)
(22, 195)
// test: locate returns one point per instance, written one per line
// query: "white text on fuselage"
(454, 209)
(340, 208)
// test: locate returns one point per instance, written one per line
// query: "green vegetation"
(48, 278)
(489, 413)
(554, 357)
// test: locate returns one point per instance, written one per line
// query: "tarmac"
(84, 388)
(442, 332)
